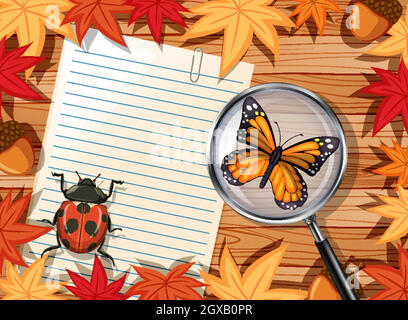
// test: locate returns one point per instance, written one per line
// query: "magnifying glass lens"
(277, 154)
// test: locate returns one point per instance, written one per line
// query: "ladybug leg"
(54, 221)
(52, 247)
(111, 187)
(54, 174)
(105, 254)
(110, 226)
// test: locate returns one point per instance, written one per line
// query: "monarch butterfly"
(264, 158)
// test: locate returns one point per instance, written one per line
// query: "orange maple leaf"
(156, 286)
(399, 165)
(100, 14)
(394, 280)
(315, 8)
(13, 233)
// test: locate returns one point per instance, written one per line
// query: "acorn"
(322, 289)
(16, 149)
(376, 17)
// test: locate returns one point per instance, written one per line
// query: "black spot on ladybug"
(92, 246)
(61, 213)
(104, 218)
(83, 207)
(66, 243)
(91, 228)
(71, 226)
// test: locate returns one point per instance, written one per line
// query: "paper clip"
(201, 53)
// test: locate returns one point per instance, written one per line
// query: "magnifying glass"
(276, 154)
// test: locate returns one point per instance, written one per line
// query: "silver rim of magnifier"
(329, 194)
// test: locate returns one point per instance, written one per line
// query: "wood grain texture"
(334, 66)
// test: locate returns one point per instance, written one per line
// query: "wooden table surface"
(333, 65)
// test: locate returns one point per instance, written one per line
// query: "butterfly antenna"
(97, 177)
(280, 136)
(78, 175)
(300, 134)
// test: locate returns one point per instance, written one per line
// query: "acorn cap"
(10, 131)
(389, 9)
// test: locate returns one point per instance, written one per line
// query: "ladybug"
(82, 222)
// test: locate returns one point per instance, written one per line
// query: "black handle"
(336, 272)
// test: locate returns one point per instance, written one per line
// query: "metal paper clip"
(201, 53)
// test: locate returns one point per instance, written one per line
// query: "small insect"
(82, 222)
(264, 158)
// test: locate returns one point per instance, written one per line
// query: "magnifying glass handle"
(332, 263)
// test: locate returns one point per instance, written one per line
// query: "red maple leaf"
(156, 286)
(12, 63)
(97, 288)
(99, 13)
(155, 11)
(394, 280)
(395, 90)
(13, 233)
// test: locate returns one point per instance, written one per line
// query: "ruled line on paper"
(130, 150)
(132, 172)
(131, 139)
(129, 105)
(127, 127)
(132, 161)
(140, 96)
(135, 116)
(133, 184)
(155, 77)
(157, 66)
(150, 87)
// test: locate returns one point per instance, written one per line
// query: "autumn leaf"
(175, 285)
(254, 284)
(97, 288)
(315, 8)
(12, 63)
(239, 20)
(396, 44)
(29, 286)
(395, 90)
(12, 232)
(100, 14)
(399, 165)
(28, 19)
(155, 11)
(397, 209)
(394, 280)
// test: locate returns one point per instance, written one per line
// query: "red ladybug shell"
(82, 227)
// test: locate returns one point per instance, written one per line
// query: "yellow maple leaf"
(239, 19)
(29, 18)
(397, 43)
(255, 282)
(29, 286)
(397, 209)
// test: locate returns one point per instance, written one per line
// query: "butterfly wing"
(255, 129)
(310, 155)
(288, 186)
(244, 165)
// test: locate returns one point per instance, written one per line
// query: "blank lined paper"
(133, 114)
